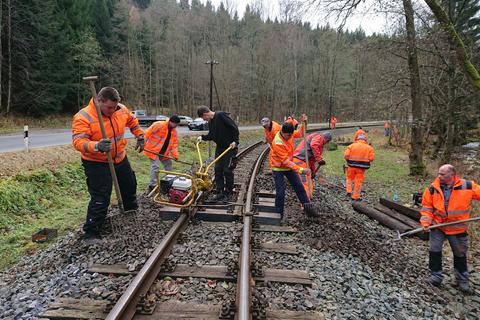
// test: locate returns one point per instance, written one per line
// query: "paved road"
(58, 137)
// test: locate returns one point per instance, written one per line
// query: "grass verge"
(14, 124)
(57, 198)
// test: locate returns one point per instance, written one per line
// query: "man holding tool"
(161, 145)
(448, 199)
(224, 132)
(102, 145)
(314, 155)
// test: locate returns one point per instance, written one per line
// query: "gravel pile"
(358, 271)
(61, 270)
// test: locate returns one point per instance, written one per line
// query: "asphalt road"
(58, 137)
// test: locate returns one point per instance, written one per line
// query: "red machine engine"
(176, 196)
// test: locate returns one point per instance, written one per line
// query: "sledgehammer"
(91, 81)
(400, 235)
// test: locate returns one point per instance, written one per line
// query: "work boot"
(310, 210)
(220, 197)
(92, 238)
(434, 281)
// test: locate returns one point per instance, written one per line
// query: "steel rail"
(126, 306)
(244, 290)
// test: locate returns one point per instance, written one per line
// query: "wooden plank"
(118, 269)
(269, 218)
(278, 247)
(285, 276)
(412, 213)
(182, 310)
(267, 228)
(265, 207)
(394, 214)
(266, 194)
(67, 308)
(216, 216)
(208, 272)
(266, 200)
(275, 314)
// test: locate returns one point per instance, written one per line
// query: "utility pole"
(211, 63)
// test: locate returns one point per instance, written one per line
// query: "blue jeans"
(297, 186)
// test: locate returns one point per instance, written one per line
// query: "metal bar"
(244, 290)
(434, 226)
(164, 156)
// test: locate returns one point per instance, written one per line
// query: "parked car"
(198, 124)
(184, 120)
(146, 120)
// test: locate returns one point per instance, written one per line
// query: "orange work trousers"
(356, 176)
(306, 179)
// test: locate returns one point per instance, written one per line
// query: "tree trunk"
(9, 43)
(456, 41)
(1, 52)
(417, 167)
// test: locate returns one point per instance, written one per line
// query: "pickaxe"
(91, 81)
(434, 226)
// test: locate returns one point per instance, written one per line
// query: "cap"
(327, 135)
(362, 137)
(264, 121)
(175, 119)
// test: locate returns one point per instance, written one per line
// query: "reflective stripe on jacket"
(281, 154)
(86, 132)
(155, 137)
(359, 155)
(315, 143)
(459, 205)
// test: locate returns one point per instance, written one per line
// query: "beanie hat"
(288, 127)
(175, 119)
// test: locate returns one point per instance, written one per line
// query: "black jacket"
(222, 130)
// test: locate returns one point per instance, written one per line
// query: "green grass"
(389, 172)
(14, 124)
(58, 199)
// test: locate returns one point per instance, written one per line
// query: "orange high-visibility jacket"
(387, 125)
(359, 132)
(333, 119)
(281, 155)
(292, 121)
(315, 143)
(359, 155)
(155, 137)
(86, 132)
(459, 205)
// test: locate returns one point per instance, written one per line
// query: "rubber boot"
(461, 273)
(310, 210)
(435, 266)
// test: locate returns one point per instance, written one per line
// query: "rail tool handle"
(213, 162)
(418, 230)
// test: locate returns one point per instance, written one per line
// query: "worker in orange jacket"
(359, 132)
(315, 143)
(448, 199)
(333, 122)
(87, 138)
(161, 138)
(271, 128)
(293, 121)
(359, 156)
(281, 162)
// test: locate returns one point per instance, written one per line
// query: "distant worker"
(281, 162)
(224, 132)
(315, 143)
(359, 132)
(333, 122)
(359, 155)
(448, 199)
(87, 138)
(161, 139)
(386, 128)
(271, 128)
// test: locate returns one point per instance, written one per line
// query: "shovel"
(414, 231)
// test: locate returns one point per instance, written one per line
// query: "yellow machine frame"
(200, 181)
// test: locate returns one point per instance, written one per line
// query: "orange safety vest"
(359, 132)
(281, 155)
(333, 120)
(315, 143)
(459, 205)
(359, 155)
(86, 132)
(270, 134)
(386, 125)
(155, 137)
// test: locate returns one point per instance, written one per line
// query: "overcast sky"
(370, 23)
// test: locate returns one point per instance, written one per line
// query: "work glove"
(321, 162)
(199, 139)
(104, 145)
(140, 144)
(233, 163)
(233, 145)
(305, 171)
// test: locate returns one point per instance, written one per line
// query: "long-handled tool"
(417, 230)
(91, 81)
(171, 158)
(309, 176)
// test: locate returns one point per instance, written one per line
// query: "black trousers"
(99, 182)
(224, 177)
